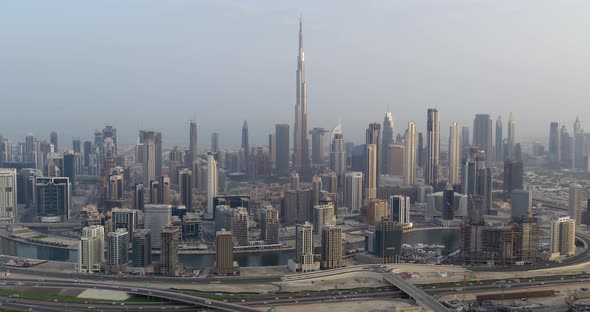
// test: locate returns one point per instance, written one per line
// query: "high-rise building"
(388, 241)
(484, 189)
(554, 145)
(53, 140)
(511, 136)
(138, 197)
(448, 209)
(304, 207)
(245, 146)
(224, 253)
(377, 209)
(169, 237)
(482, 135)
(70, 168)
(294, 181)
(141, 253)
(386, 139)
(223, 217)
(301, 159)
(282, 148)
(579, 146)
(465, 141)
(410, 157)
(304, 247)
(147, 140)
(185, 187)
(338, 157)
(394, 163)
(577, 196)
(372, 161)
(8, 195)
(331, 249)
(122, 218)
(454, 154)
(91, 249)
(215, 142)
(116, 188)
(289, 215)
(323, 215)
(318, 146)
(431, 170)
(240, 220)
(353, 191)
(269, 225)
(400, 209)
(565, 147)
(563, 237)
(522, 203)
(513, 172)
(211, 182)
(192, 142)
(156, 217)
(499, 152)
(52, 198)
(316, 189)
(118, 249)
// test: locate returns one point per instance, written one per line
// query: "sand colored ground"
(348, 306)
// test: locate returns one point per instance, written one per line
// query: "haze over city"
(155, 65)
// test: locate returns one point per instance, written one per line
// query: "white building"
(353, 191)
(211, 182)
(323, 215)
(8, 200)
(410, 157)
(118, 254)
(91, 249)
(304, 259)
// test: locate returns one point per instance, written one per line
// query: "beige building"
(224, 254)
(91, 249)
(563, 237)
(169, 237)
(331, 250)
(376, 210)
(395, 159)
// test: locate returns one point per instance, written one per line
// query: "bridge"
(417, 294)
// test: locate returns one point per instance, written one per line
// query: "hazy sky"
(74, 66)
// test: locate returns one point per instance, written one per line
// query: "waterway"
(451, 238)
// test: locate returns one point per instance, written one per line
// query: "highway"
(417, 294)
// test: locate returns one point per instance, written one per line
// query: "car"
(276, 298)
(90, 307)
(524, 299)
(207, 302)
(14, 296)
(243, 300)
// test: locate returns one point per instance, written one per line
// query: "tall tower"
(482, 135)
(554, 146)
(282, 148)
(372, 167)
(245, 145)
(432, 147)
(579, 147)
(454, 154)
(193, 142)
(211, 182)
(386, 139)
(300, 134)
(511, 135)
(499, 152)
(410, 159)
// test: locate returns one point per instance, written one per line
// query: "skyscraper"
(465, 142)
(554, 145)
(522, 203)
(282, 148)
(147, 140)
(138, 197)
(123, 218)
(240, 221)
(224, 253)
(304, 247)
(410, 157)
(432, 147)
(386, 139)
(338, 157)
(301, 159)
(169, 237)
(185, 187)
(400, 209)
(353, 191)
(323, 215)
(52, 198)
(372, 165)
(118, 249)
(331, 249)
(454, 154)
(318, 145)
(388, 241)
(577, 196)
(482, 135)
(141, 253)
(91, 249)
(8, 195)
(193, 142)
(214, 142)
(563, 237)
(245, 146)
(513, 171)
(53, 140)
(156, 217)
(579, 145)
(269, 225)
(511, 135)
(211, 182)
(499, 152)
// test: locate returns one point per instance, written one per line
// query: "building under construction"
(500, 244)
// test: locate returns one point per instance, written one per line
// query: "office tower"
(465, 141)
(513, 172)
(53, 140)
(223, 217)
(245, 145)
(386, 139)
(164, 190)
(290, 207)
(577, 196)
(338, 156)
(282, 148)
(5, 150)
(123, 218)
(372, 160)
(377, 209)
(579, 145)
(169, 237)
(294, 181)
(215, 142)
(511, 136)
(331, 249)
(192, 142)
(192, 227)
(118, 249)
(400, 209)
(388, 241)
(155, 192)
(155, 218)
(565, 146)
(148, 141)
(484, 189)
(454, 154)
(431, 166)
(116, 187)
(141, 250)
(482, 135)
(563, 237)
(87, 153)
(52, 198)
(330, 182)
(304, 246)
(269, 225)
(108, 132)
(448, 209)
(224, 253)
(8, 195)
(394, 164)
(420, 151)
(316, 188)
(410, 158)
(318, 145)
(323, 215)
(240, 220)
(301, 159)
(554, 144)
(353, 191)
(304, 207)
(358, 157)
(175, 160)
(499, 139)
(527, 240)
(211, 182)
(185, 187)
(138, 197)
(272, 152)
(91, 249)
(522, 204)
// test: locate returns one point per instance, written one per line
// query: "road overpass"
(417, 294)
